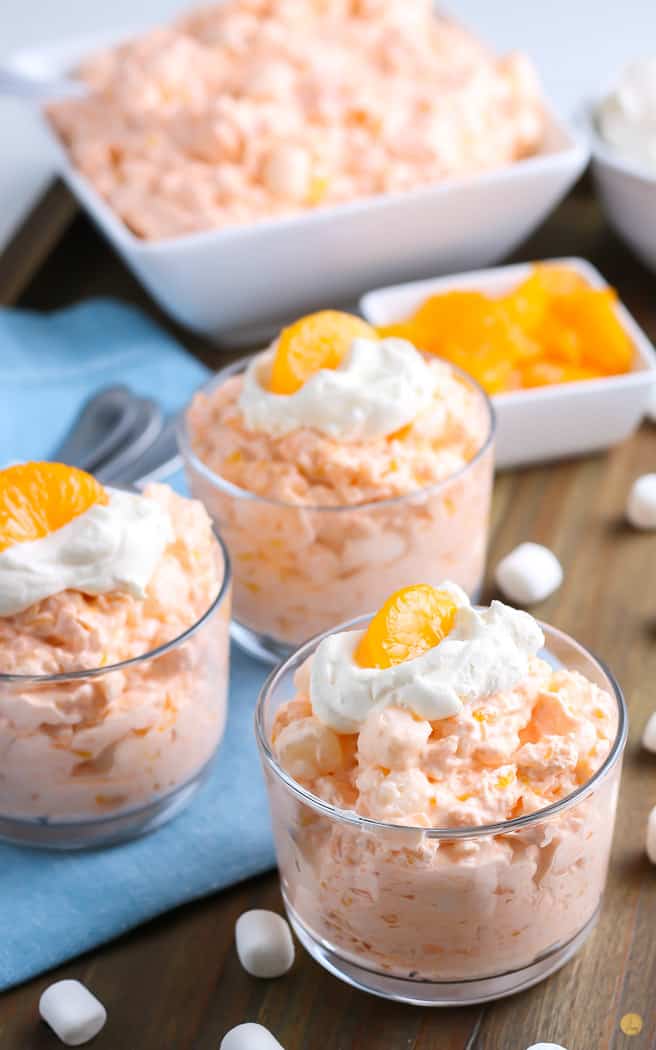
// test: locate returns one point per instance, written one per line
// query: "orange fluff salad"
(439, 715)
(552, 328)
(338, 466)
(253, 109)
(98, 580)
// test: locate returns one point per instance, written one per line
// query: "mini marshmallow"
(73, 1013)
(546, 1046)
(264, 943)
(529, 574)
(651, 836)
(641, 506)
(249, 1037)
(649, 734)
(287, 172)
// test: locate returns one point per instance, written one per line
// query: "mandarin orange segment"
(38, 498)
(559, 280)
(528, 302)
(459, 320)
(546, 373)
(560, 341)
(472, 331)
(412, 621)
(606, 345)
(317, 341)
(493, 375)
(401, 330)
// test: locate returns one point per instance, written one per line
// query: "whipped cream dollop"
(486, 651)
(627, 116)
(379, 387)
(114, 547)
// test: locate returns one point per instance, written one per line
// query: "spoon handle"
(103, 426)
(158, 462)
(146, 430)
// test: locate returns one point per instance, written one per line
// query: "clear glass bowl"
(97, 756)
(443, 916)
(299, 569)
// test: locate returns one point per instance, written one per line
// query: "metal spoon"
(103, 426)
(148, 429)
(112, 431)
(159, 461)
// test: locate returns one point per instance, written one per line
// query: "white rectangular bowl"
(223, 281)
(552, 422)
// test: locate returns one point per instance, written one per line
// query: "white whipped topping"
(627, 116)
(379, 387)
(107, 548)
(485, 652)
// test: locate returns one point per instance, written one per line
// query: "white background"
(577, 44)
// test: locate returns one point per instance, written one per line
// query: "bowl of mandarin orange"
(568, 368)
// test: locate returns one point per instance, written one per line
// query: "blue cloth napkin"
(51, 363)
(54, 906)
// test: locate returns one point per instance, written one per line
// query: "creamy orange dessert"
(439, 715)
(552, 328)
(91, 578)
(342, 466)
(253, 109)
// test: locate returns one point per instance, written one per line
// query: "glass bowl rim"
(97, 672)
(240, 365)
(471, 831)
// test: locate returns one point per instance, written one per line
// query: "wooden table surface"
(175, 984)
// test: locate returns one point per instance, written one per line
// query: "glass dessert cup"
(300, 569)
(443, 916)
(138, 743)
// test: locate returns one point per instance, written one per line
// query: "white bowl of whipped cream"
(624, 156)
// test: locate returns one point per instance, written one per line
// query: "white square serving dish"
(259, 275)
(550, 422)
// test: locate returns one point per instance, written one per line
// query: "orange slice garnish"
(38, 498)
(317, 341)
(414, 620)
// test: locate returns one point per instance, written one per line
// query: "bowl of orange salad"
(114, 620)
(443, 781)
(337, 466)
(218, 152)
(568, 368)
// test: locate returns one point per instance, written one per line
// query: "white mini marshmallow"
(264, 943)
(649, 734)
(287, 172)
(249, 1037)
(641, 506)
(651, 836)
(546, 1046)
(529, 574)
(73, 1013)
